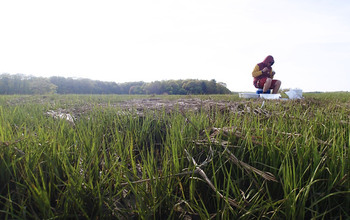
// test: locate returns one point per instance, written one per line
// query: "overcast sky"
(143, 40)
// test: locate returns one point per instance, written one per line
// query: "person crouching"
(263, 76)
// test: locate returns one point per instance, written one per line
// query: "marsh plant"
(225, 158)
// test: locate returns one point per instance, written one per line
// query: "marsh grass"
(285, 160)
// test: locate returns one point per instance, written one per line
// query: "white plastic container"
(270, 96)
(248, 95)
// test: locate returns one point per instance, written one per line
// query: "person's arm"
(257, 72)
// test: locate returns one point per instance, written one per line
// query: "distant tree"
(136, 90)
(204, 86)
(153, 87)
(63, 84)
(41, 86)
(125, 87)
(220, 89)
(175, 87)
(21, 84)
(193, 87)
(110, 88)
(211, 87)
(5, 84)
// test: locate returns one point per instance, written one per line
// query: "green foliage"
(286, 160)
(21, 84)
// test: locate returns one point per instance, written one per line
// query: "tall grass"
(285, 160)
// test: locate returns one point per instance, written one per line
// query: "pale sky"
(148, 40)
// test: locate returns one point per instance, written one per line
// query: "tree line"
(22, 84)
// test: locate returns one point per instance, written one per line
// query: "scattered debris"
(60, 114)
(141, 106)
